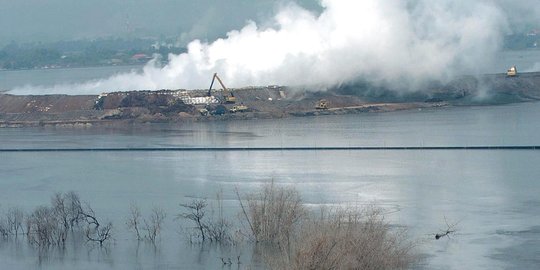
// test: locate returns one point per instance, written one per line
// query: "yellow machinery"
(228, 97)
(322, 105)
(204, 112)
(238, 108)
(512, 72)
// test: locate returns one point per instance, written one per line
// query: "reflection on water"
(485, 191)
(491, 195)
(515, 124)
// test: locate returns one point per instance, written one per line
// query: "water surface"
(491, 195)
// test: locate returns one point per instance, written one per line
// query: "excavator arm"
(225, 90)
(228, 98)
(211, 84)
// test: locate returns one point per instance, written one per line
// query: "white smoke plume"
(379, 41)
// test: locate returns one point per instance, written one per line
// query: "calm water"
(492, 195)
(49, 77)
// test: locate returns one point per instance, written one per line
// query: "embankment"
(262, 102)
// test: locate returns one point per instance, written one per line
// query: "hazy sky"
(49, 20)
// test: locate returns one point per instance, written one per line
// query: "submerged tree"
(208, 227)
(340, 238)
(134, 220)
(272, 213)
(154, 223)
(49, 225)
(195, 211)
(12, 223)
(95, 232)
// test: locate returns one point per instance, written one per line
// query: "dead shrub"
(45, 228)
(99, 234)
(96, 232)
(346, 239)
(196, 212)
(272, 213)
(12, 223)
(68, 208)
(207, 227)
(154, 224)
(134, 221)
(3, 229)
(15, 220)
(49, 225)
(218, 227)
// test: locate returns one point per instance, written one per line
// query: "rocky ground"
(261, 102)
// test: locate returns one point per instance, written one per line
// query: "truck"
(238, 108)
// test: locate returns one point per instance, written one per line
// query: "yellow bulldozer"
(322, 105)
(238, 108)
(512, 72)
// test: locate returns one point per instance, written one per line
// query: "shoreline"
(360, 109)
(270, 102)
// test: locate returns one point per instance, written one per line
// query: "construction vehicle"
(322, 105)
(204, 112)
(512, 72)
(238, 108)
(228, 96)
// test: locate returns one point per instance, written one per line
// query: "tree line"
(82, 53)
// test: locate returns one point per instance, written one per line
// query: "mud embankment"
(262, 102)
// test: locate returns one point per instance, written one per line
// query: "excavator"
(228, 96)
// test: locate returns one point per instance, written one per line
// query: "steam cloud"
(379, 41)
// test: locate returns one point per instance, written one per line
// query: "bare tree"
(47, 226)
(59, 208)
(450, 229)
(94, 231)
(4, 232)
(154, 223)
(44, 228)
(196, 210)
(212, 226)
(14, 220)
(68, 208)
(134, 220)
(74, 208)
(217, 226)
(218, 230)
(99, 234)
(272, 213)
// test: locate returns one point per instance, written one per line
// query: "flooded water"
(492, 195)
(49, 77)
